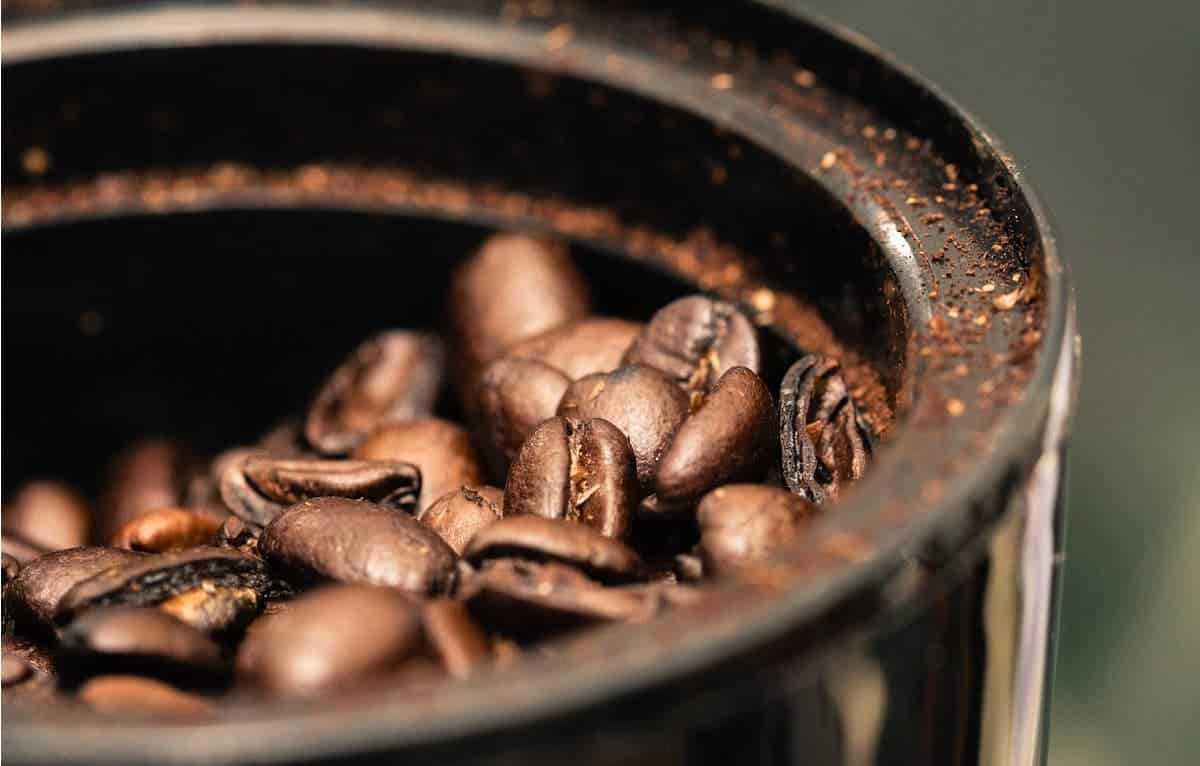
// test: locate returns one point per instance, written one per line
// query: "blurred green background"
(1100, 105)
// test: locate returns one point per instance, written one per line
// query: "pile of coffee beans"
(605, 470)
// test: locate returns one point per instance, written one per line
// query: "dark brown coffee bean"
(741, 524)
(824, 442)
(393, 376)
(643, 404)
(583, 347)
(514, 287)
(729, 438)
(440, 449)
(153, 473)
(135, 696)
(515, 395)
(168, 529)
(151, 580)
(214, 608)
(456, 516)
(142, 641)
(286, 440)
(531, 601)
(329, 637)
(694, 341)
(360, 542)
(455, 637)
(540, 539)
(48, 514)
(21, 549)
(259, 488)
(43, 582)
(581, 470)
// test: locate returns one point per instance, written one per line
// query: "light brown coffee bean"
(48, 514)
(515, 395)
(135, 696)
(327, 638)
(153, 473)
(392, 376)
(155, 643)
(440, 449)
(168, 529)
(581, 470)
(582, 347)
(457, 515)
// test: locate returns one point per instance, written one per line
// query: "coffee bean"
(729, 438)
(238, 534)
(455, 637)
(168, 529)
(440, 449)
(360, 542)
(694, 341)
(141, 641)
(514, 287)
(741, 524)
(14, 670)
(135, 696)
(643, 404)
(824, 442)
(327, 638)
(29, 667)
(48, 514)
(515, 395)
(286, 439)
(532, 601)
(457, 515)
(259, 488)
(213, 608)
(151, 580)
(392, 376)
(689, 567)
(583, 347)
(44, 582)
(540, 539)
(581, 470)
(153, 473)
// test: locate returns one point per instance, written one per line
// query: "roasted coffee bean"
(21, 549)
(151, 580)
(581, 470)
(824, 442)
(393, 376)
(151, 474)
(360, 542)
(531, 601)
(213, 608)
(142, 641)
(168, 529)
(729, 438)
(694, 341)
(48, 514)
(741, 524)
(14, 670)
(440, 449)
(456, 516)
(455, 637)
(44, 582)
(515, 395)
(259, 488)
(124, 695)
(583, 347)
(646, 406)
(514, 287)
(286, 440)
(329, 637)
(540, 539)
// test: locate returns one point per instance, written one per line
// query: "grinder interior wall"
(214, 325)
